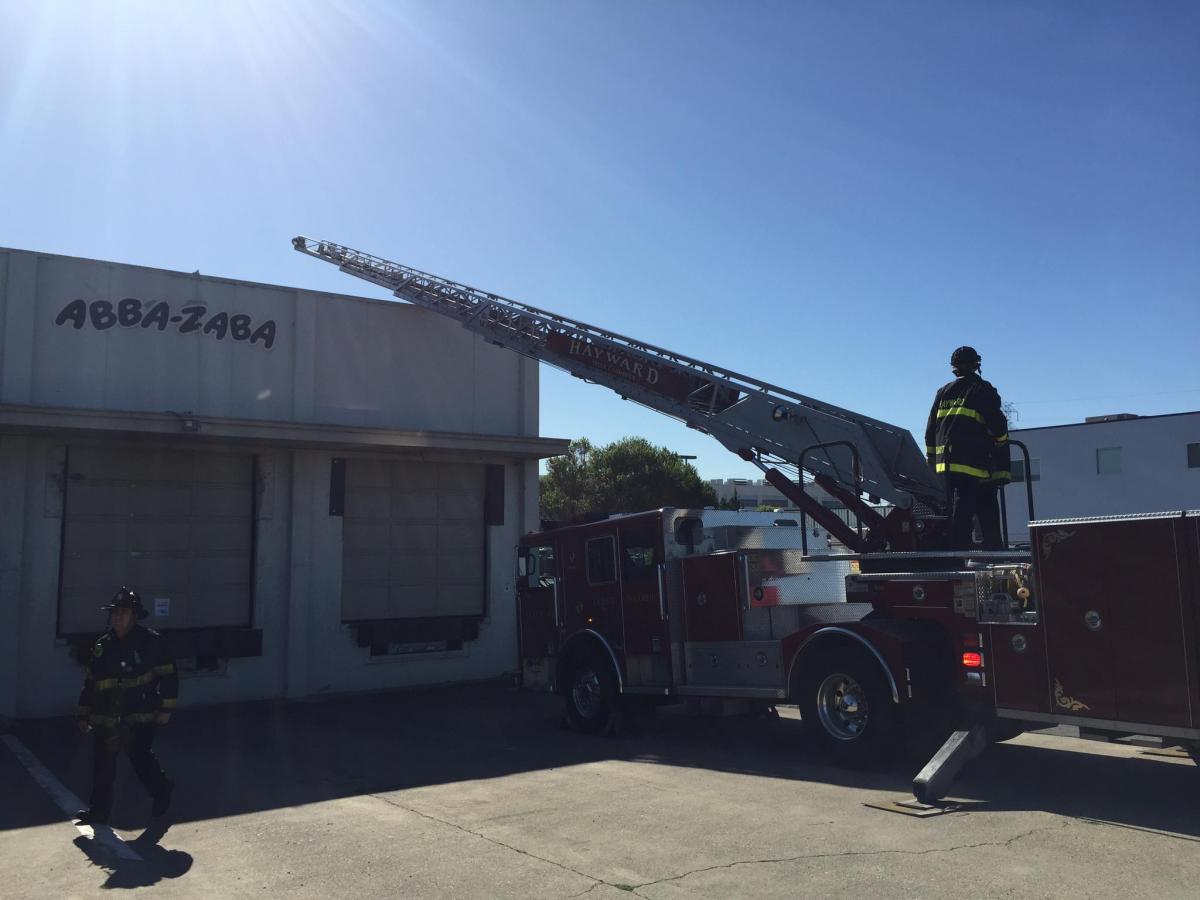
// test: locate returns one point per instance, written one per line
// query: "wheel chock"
(933, 781)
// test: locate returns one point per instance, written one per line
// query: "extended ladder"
(778, 430)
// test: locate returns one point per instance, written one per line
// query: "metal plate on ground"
(908, 805)
(1169, 752)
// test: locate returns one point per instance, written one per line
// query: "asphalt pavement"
(479, 792)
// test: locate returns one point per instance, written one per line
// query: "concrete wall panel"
(335, 360)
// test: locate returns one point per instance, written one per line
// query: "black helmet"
(125, 598)
(965, 358)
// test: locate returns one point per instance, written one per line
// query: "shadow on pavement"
(236, 759)
(156, 862)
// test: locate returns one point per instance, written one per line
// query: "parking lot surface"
(478, 792)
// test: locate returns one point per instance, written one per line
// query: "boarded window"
(412, 540)
(175, 526)
(1193, 456)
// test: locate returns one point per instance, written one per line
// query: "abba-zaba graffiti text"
(192, 319)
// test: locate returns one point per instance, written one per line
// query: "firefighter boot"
(162, 800)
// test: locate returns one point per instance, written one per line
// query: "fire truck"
(1097, 625)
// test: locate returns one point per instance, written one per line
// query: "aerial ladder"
(857, 459)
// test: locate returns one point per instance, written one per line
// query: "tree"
(626, 476)
(732, 502)
(1010, 413)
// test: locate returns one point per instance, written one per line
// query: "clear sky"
(827, 196)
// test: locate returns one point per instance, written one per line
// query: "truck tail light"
(972, 660)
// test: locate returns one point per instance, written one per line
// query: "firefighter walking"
(128, 693)
(966, 441)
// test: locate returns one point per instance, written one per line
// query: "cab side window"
(638, 552)
(601, 560)
(537, 567)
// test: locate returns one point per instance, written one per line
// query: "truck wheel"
(847, 707)
(591, 694)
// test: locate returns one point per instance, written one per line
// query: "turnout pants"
(136, 741)
(970, 497)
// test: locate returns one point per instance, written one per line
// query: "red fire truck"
(1096, 626)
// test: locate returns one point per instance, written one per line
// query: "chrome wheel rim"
(842, 707)
(585, 694)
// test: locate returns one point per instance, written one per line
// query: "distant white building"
(752, 493)
(1106, 465)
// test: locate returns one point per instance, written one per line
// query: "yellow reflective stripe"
(1003, 439)
(169, 703)
(960, 411)
(1001, 475)
(939, 449)
(962, 470)
(168, 669)
(120, 683)
(140, 717)
(102, 720)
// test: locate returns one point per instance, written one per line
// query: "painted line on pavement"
(66, 801)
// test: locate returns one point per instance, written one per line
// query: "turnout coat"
(129, 681)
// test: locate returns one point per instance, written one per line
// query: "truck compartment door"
(710, 598)
(1119, 635)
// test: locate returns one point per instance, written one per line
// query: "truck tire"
(593, 701)
(847, 707)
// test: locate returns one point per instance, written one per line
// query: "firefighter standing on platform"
(129, 692)
(966, 440)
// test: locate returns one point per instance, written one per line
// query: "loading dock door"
(413, 540)
(176, 526)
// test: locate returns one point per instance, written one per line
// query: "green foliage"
(732, 502)
(629, 475)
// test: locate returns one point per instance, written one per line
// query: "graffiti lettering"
(132, 312)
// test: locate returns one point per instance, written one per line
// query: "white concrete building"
(755, 492)
(313, 493)
(1107, 465)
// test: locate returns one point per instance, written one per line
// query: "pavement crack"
(588, 891)
(846, 853)
(492, 840)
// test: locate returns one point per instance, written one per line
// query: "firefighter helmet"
(125, 598)
(965, 358)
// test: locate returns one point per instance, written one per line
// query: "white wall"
(1154, 474)
(335, 360)
(307, 651)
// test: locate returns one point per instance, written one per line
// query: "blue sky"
(830, 197)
